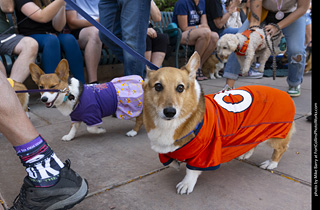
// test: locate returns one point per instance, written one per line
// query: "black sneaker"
(70, 190)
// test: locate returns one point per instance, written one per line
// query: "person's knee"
(214, 37)
(206, 33)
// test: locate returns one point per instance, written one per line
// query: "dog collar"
(195, 131)
(218, 58)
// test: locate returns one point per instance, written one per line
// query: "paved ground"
(124, 173)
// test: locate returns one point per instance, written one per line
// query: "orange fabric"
(234, 124)
(244, 47)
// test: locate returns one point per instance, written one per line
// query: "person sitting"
(156, 42)
(45, 21)
(190, 16)
(217, 18)
(87, 35)
(25, 48)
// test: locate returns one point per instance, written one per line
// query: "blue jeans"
(50, 46)
(129, 21)
(295, 36)
(229, 31)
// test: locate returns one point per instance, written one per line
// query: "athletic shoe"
(294, 91)
(70, 190)
(252, 74)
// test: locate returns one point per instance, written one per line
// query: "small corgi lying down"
(23, 97)
(183, 125)
(90, 103)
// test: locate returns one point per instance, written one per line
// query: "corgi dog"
(213, 65)
(90, 103)
(23, 97)
(183, 125)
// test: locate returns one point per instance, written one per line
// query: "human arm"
(74, 22)
(183, 22)
(256, 10)
(155, 12)
(7, 6)
(302, 8)
(221, 21)
(44, 15)
(59, 21)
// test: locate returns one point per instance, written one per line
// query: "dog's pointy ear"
(62, 70)
(148, 76)
(35, 72)
(193, 65)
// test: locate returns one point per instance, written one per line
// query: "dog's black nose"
(169, 112)
(44, 99)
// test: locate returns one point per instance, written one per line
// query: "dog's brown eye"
(53, 86)
(41, 87)
(180, 88)
(158, 87)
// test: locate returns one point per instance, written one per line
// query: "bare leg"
(211, 47)
(200, 38)
(14, 123)
(3, 69)
(157, 58)
(27, 50)
(89, 41)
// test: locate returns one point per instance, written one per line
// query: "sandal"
(200, 76)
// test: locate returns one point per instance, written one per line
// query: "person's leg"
(214, 37)
(89, 40)
(47, 176)
(51, 52)
(296, 52)
(109, 17)
(3, 69)
(134, 24)
(232, 68)
(199, 37)
(159, 48)
(26, 50)
(73, 54)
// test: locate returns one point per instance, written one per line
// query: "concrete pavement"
(124, 173)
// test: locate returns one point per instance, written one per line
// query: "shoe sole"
(72, 200)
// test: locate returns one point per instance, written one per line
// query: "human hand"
(271, 30)
(152, 33)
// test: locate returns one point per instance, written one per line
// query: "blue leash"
(111, 36)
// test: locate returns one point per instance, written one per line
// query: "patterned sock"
(42, 164)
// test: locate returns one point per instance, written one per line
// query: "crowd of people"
(52, 27)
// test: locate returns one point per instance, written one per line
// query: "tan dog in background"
(23, 97)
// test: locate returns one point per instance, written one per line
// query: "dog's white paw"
(132, 133)
(212, 76)
(96, 130)
(67, 137)
(176, 165)
(268, 164)
(218, 76)
(185, 186)
(246, 155)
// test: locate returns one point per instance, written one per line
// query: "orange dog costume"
(235, 121)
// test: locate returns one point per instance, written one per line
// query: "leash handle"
(111, 36)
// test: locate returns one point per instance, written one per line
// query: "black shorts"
(158, 44)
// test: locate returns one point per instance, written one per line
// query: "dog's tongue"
(49, 105)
